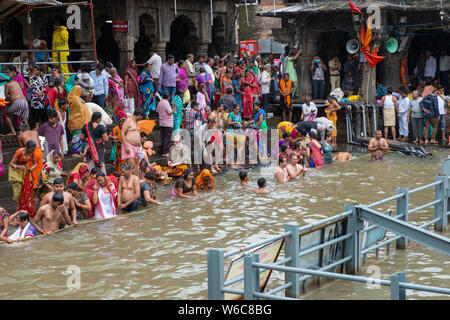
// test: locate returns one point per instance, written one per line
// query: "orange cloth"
(332, 116)
(201, 177)
(40, 164)
(285, 88)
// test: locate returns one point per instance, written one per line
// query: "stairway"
(10, 145)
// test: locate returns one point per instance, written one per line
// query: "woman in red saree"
(131, 83)
(247, 99)
(20, 176)
(89, 189)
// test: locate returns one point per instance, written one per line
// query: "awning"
(11, 8)
(343, 6)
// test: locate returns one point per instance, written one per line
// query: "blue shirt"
(100, 83)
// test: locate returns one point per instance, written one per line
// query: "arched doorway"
(183, 38)
(218, 43)
(146, 38)
(107, 48)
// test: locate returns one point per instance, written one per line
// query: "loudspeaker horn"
(392, 45)
(352, 46)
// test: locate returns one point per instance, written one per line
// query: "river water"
(161, 254)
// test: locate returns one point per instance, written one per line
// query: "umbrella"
(146, 126)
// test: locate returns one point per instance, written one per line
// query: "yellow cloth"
(353, 98)
(204, 174)
(177, 171)
(40, 164)
(79, 115)
(61, 42)
(186, 97)
(15, 177)
(285, 126)
(332, 117)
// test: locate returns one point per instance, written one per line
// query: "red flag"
(372, 58)
(354, 8)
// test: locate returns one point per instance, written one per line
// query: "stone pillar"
(160, 48)
(392, 71)
(368, 86)
(308, 42)
(202, 48)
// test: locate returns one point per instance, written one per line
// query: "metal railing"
(353, 217)
(50, 63)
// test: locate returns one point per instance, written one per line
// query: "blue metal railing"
(351, 260)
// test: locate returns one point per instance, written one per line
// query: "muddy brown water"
(161, 254)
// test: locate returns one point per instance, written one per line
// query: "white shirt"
(156, 62)
(444, 63)
(106, 74)
(210, 72)
(265, 82)
(403, 105)
(388, 102)
(308, 110)
(441, 104)
(430, 67)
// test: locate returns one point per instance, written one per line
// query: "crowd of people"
(424, 110)
(216, 100)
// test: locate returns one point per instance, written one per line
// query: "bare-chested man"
(280, 173)
(26, 135)
(51, 214)
(129, 190)
(378, 146)
(69, 202)
(131, 139)
(18, 105)
(294, 169)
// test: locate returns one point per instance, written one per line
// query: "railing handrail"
(340, 276)
(3, 51)
(351, 258)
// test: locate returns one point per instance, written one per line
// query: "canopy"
(11, 8)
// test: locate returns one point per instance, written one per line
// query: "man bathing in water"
(280, 173)
(261, 187)
(69, 202)
(378, 146)
(129, 190)
(51, 214)
(294, 169)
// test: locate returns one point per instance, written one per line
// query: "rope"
(88, 222)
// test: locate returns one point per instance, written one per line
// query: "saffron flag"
(403, 70)
(354, 8)
(372, 58)
(368, 37)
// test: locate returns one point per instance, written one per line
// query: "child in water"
(243, 176)
(262, 185)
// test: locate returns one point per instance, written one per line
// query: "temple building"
(126, 29)
(324, 27)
